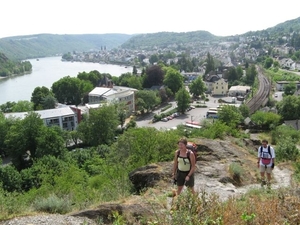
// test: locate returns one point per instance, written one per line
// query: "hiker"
(266, 162)
(184, 167)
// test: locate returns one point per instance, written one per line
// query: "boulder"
(105, 212)
(150, 175)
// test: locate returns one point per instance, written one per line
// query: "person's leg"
(190, 184)
(262, 175)
(179, 189)
(180, 181)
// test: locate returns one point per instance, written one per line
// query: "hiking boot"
(263, 182)
(269, 185)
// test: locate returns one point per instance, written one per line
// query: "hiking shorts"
(181, 175)
(263, 169)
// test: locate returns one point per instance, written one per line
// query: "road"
(195, 115)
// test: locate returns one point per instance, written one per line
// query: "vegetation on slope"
(163, 39)
(41, 45)
(9, 67)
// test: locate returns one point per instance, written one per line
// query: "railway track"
(262, 95)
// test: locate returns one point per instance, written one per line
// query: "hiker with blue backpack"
(266, 162)
(184, 167)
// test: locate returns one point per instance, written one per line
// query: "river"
(45, 72)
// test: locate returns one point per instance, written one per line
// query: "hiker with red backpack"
(265, 162)
(184, 167)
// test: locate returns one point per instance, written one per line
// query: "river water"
(45, 72)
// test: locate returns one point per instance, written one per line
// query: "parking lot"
(194, 115)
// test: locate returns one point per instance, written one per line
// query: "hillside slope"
(163, 39)
(41, 45)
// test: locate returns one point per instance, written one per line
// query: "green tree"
(49, 102)
(153, 59)
(10, 178)
(210, 64)
(23, 106)
(38, 95)
(135, 82)
(69, 90)
(50, 142)
(7, 107)
(244, 109)
(289, 107)
(232, 74)
(286, 149)
(197, 87)
(251, 74)
(147, 99)
(173, 80)
(154, 76)
(290, 89)
(239, 71)
(230, 115)
(268, 62)
(267, 120)
(100, 127)
(183, 100)
(22, 139)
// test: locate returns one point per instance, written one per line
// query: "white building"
(114, 94)
(238, 90)
(281, 84)
(64, 117)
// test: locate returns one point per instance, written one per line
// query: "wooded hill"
(163, 39)
(9, 67)
(41, 45)
(280, 29)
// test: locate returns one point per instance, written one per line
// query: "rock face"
(150, 175)
(104, 212)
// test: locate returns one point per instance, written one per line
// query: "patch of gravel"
(53, 219)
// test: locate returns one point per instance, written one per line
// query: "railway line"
(262, 95)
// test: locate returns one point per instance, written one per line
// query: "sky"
(219, 17)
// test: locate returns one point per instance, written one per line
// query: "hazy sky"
(220, 17)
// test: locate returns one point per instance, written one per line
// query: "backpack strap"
(269, 150)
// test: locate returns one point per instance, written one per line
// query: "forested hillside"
(287, 27)
(163, 39)
(9, 67)
(41, 45)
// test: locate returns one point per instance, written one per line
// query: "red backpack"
(193, 147)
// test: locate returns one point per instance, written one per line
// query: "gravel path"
(53, 219)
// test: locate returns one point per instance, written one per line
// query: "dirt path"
(203, 182)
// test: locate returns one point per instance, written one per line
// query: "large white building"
(114, 94)
(238, 90)
(65, 117)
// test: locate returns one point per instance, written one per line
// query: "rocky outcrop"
(105, 212)
(150, 175)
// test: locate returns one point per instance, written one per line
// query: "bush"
(52, 204)
(236, 171)
(166, 107)
(287, 150)
(200, 106)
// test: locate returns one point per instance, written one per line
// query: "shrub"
(287, 150)
(166, 107)
(52, 204)
(236, 171)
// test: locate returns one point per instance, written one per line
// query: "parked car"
(170, 117)
(165, 119)
(192, 107)
(276, 95)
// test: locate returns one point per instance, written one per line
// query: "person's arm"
(273, 157)
(258, 157)
(175, 164)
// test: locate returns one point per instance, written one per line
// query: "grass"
(53, 204)
(256, 207)
(236, 171)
